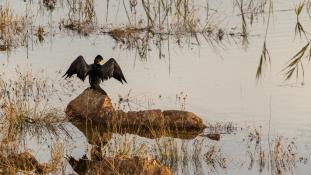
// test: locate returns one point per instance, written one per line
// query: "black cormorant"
(96, 72)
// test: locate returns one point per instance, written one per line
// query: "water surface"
(218, 84)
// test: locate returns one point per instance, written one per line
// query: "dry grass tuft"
(215, 159)
(127, 35)
(25, 107)
(167, 152)
(124, 146)
(133, 37)
(181, 20)
(81, 16)
(49, 4)
(25, 111)
(13, 29)
(40, 33)
(279, 157)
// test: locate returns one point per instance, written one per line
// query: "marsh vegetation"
(37, 137)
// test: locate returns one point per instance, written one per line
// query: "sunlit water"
(218, 85)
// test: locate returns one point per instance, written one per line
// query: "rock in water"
(97, 108)
(89, 104)
(182, 119)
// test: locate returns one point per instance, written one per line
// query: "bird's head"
(98, 59)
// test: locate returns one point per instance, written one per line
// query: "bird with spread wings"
(97, 72)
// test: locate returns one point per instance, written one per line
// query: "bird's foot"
(100, 90)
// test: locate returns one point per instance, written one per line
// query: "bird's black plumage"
(96, 72)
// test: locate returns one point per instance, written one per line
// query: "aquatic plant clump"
(280, 157)
(49, 4)
(25, 106)
(13, 29)
(81, 16)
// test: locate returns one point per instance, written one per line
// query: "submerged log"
(97, 108)
(119, 165)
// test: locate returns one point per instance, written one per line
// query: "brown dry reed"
(13, 29)
(280, 157)
(81, 16)
(25, 106)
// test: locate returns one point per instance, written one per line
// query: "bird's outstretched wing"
(112, 69)
(79, 67)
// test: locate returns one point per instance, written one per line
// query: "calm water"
(219, 85)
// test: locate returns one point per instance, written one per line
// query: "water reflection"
(96, 133)
(222, 90)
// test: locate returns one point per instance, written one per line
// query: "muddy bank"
(119, 165)
(97, 108)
